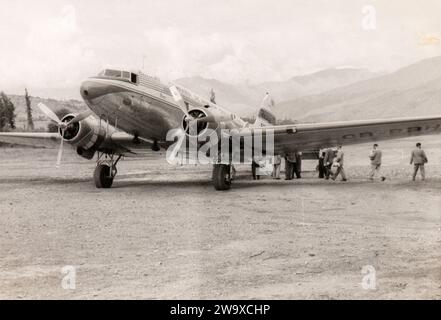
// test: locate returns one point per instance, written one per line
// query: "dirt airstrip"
(163, 232)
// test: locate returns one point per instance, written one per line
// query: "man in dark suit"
(328, 160)
(298, 165)
(290, 162)
(418, 158)
(254, 167)
(321, 164)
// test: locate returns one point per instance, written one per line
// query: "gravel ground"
(163, 232)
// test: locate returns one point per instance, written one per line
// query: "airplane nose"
(90, 89)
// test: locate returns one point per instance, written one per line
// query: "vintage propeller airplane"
(130, 113)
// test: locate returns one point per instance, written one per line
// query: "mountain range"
(244, 99)
(411, 91)
(328, 95)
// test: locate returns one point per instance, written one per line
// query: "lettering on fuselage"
(392, 132)
(433, 128)
(413, 129)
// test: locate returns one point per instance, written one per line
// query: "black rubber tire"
(221, 177)
(101, 176)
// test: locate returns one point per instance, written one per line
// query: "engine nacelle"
(200, 126)
(86, 135)
(208, 117)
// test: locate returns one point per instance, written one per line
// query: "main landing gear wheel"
(222, 176)
(105, 170)
(103, 176)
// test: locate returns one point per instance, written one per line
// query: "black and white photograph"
(246, 150)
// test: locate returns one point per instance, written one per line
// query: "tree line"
(7, 112)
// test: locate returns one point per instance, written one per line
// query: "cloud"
(60, 29)
(231, 57)
(57, 49)
(429, 40)
(52, 53)
(177, 53)
(57, 43)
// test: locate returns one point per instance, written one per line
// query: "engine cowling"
(200, 126)
(207, 118)
(86, 135)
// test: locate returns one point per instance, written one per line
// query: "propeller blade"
(60, 150)
(49, 113)
(177, 147)
(79, 117)
(178, 98)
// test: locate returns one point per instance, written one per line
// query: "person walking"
(255, 165)
(375, 157)
(321, 164)
(277, 161)
(298, 165)
(290, 160)
(339, 162)
(418, 158)
(328, 160)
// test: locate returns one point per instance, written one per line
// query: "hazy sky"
(51, 45)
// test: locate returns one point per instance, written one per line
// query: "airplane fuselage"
(134, 109)
(144, 108)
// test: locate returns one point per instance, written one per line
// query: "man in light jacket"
(339, 162)
(277, 161)
(375, 158)
(418, 158)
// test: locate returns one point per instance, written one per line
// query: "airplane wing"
(119, 142)
(312, 137)
(287, 138)
(37, 139)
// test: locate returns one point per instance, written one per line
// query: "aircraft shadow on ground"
(44, 180)
(244, 183)
(127, 183)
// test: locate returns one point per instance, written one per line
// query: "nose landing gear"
(105, 170)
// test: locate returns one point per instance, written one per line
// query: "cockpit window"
(112, 73)
(132, 77)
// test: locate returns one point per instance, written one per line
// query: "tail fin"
(265, 115)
